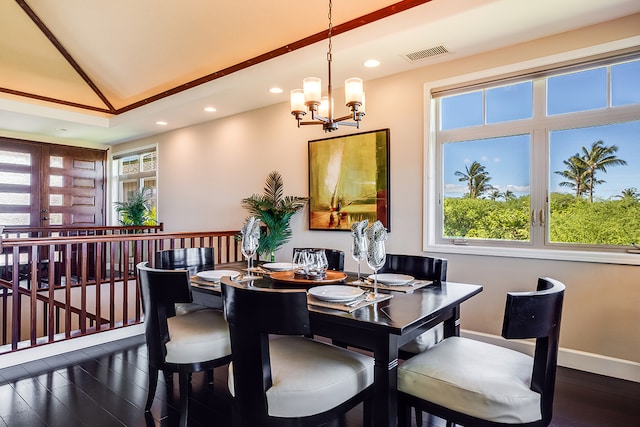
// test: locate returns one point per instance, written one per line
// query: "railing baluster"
(67, 290)
(16, 313)
(98, 285)
(52, 289)
(83, 287)
(33, 306)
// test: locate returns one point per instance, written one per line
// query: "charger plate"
(216, 275)
(288, 277)
(336, 293)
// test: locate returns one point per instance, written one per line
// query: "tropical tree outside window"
(550, 161)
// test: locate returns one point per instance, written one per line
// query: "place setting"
(368, 244)
(342, 297)
(211, 278)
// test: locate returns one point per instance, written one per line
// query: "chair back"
(161, 289)
(335, 257)
(191, 259)
(537, 315)
(420, 267)
(253, 314)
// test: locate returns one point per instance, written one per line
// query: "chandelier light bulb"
(323, 110)
(312, 90)
(297, 101)
(353, 91)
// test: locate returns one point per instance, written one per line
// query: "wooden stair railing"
(68, 286)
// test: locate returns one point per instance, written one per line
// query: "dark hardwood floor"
(106, 385)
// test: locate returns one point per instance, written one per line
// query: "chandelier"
(321, 107)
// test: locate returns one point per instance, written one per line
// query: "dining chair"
(191, 342)
(193, 260)
(473, 383)
(335, 257)
(288, 379)
(421, 268)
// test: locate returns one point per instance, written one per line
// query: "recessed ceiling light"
(161, 123)
(275, 90)
(371, 63)
(210, 109)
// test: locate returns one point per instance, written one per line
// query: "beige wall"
(205, 170)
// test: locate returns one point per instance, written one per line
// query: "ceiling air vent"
(426, 53)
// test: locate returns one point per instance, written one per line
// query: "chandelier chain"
(330, 31)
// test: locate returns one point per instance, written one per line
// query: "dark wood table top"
(396, 315)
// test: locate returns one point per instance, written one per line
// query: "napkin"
(250, 233)
(358, 230)
(376, 235)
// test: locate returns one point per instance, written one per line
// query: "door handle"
(542, 216)
(533, 218)
(44, 218)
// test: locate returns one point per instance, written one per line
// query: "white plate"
(336, 293)
(278, 266)
(392, 279)
(215, 275)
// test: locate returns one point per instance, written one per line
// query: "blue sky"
(507, 159)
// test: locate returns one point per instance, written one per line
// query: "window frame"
(118, 179)
(538, 246)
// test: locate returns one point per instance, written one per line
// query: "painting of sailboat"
(349, 180)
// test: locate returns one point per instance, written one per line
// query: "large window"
(545, 161)
(136, 172)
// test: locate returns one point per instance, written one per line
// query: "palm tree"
(137, 209)
(274, 210)
(629, 194)
(598, 158)
(477, 179)
(576, 174)
(495, 195)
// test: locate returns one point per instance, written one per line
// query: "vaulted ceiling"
(105, 72)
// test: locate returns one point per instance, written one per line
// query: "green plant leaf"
(274, 211)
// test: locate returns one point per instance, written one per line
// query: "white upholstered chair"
(473, 383)
(288, 379)
(191, 342)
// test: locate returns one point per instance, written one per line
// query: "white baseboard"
(65, 346)
(575, 359)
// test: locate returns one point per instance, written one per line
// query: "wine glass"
(322, 263)
(359, 254)
(249, 248)
(376, 257)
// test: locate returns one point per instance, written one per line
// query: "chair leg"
(418, 417)
(210, 376)
(184, 398)
(404, 414)
(153, 383)
(451, 424)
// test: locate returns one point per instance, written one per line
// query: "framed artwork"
(349, 180)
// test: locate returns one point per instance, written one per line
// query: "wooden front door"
(46, 184)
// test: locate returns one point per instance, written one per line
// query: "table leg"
(385, 388)
(452, 324)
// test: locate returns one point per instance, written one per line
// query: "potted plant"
(137, 209)
(274, 210)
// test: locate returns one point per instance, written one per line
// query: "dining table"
(380, 327)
